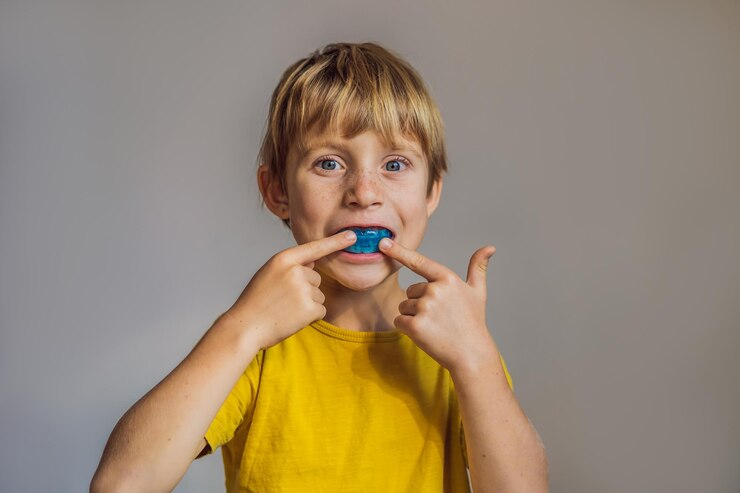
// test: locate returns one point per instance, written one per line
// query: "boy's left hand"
(446, 317)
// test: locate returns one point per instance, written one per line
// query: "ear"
(275, 198)
(433, 198)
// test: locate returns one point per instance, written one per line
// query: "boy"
(325, 375)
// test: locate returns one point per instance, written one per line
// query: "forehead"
(316, 140)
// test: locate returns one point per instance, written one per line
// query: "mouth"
(368, 238)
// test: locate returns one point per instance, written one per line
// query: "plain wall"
(595, 144)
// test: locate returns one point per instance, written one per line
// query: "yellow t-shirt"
(330, 409)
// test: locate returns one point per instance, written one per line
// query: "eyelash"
(329, 158)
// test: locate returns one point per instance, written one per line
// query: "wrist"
(242, 333)
(477, 362)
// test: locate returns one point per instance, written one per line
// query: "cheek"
(415, 219)
(413, 206)
(317, 206)
(306, 201)
(316, 195)
(311, 212)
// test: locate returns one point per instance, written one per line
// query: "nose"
(363, 190)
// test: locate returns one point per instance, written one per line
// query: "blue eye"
(398, 164)
(395, 161)
(327, 161)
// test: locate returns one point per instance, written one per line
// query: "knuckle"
(316, 277)
(413, 325)
(308, 293)
(417, 261)
(279, 260)
(294, 273)
(296, 277)
(308, 304)
(315, 248)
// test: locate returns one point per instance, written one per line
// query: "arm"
(153, 444)
(505, 453)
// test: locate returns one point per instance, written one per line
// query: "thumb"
(478, 267)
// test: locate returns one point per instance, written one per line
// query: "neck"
(372, 310)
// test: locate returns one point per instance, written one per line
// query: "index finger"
(316, 249)
(424, 266)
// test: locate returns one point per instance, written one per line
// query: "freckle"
(484, 455)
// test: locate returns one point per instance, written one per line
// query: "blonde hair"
(351, 88)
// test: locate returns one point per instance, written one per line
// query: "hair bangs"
(375, 104)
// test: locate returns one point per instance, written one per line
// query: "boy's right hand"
(283, 295)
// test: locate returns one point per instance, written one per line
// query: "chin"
(359, 279)
(360, 285)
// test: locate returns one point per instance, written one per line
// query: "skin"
(445, 316)
(365, 182)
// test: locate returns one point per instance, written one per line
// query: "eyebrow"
(324, 144)
(329, 144)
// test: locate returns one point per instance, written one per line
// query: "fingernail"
(385, 242)
(350, 235)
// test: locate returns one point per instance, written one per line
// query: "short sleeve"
(463, 444)
(238, 406)
(506, 372)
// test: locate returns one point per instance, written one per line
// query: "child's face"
(349, 182)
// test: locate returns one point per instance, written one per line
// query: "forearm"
(153, 444)
(505, 453)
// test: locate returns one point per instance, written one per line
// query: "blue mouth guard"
(367, 240)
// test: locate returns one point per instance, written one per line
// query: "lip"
(367, 225)
(361, 258)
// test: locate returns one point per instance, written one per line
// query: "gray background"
(595, 144)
